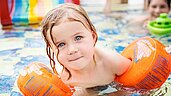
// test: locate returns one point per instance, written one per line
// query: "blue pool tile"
(110, 31)
(14, 93)
(12, 34)
(119, 48)
(38, 43)
(6, 83)
(11, 52)
(169, 40)
(101, 39)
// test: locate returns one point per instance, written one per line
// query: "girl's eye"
(77, 38)
(154, 6)
(60, 45)
(163, 6)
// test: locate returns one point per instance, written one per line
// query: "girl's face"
(75, 44)
(156, 7)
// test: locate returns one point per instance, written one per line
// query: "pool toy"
(26, 12)
(150, 66)
(160, 26)
(38, 80)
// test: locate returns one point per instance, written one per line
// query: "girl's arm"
(114, 61)
(119, 63)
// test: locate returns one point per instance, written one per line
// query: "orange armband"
(38, 80)
(151, 64)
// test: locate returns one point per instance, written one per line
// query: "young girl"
(154, 9)
(71, 37)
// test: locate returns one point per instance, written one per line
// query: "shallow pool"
(23, 45)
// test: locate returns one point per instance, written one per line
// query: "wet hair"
(167, 1)
(66, 12)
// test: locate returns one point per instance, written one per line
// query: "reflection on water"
(116, 89)
(21, 46)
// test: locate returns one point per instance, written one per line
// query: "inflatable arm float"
(151, 64)
(38, 80)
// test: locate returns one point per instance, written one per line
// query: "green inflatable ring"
(160, 26)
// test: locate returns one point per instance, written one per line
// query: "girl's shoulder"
(104, 53)
(106, 57)
(113, 61)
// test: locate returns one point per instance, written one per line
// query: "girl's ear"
(94, 36)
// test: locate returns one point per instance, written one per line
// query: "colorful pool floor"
(23, 45)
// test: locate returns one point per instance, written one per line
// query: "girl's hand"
(168, 49)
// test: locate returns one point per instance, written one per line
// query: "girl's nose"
(72, 49)
(158, 10)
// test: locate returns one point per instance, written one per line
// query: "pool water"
(22, 45)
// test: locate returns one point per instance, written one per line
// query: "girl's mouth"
(75, 59)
